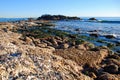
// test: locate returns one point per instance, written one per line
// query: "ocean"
(108, 26)
(11, 19)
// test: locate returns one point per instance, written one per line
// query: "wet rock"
(110, 45)
(118, 51)
(92, 19)
(114, 61)
(77, 29)
(110, 36)
(94, 34)
(115, 56)
(92, 75)
(107, 76)
(72, 36)
(95, 31)
(113, 69)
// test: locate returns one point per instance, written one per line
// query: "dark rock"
(72, 36)
(94, 31)
(106, 76)
(5, 29)
(95, 49)
(112, 61)
(90, 69)
(77, 29)
(92, 75)
(110, 45)
(110, 36)
(113, 69)
(118, 51)
(57, 17)
(115, 56)
(92, 19)
(94, 34)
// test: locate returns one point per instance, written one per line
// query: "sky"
(81, 8)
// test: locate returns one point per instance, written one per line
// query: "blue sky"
(83, 8)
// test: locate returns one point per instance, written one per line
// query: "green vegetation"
(43, 32)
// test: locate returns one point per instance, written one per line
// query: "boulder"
(94, 34)
(113, 69)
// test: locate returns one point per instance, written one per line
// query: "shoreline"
(36, 49)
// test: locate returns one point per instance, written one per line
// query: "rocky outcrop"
(92, 19)
(59, 57)
(81, 56)
(57, 17)
(22, 59)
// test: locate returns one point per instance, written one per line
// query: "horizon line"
(51, 14)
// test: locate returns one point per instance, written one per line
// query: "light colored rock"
(81, 47)
(25, 61)
(65, 46)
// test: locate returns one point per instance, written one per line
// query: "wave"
(109, 21)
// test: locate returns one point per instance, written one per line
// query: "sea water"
(104, 26)
(11, 19)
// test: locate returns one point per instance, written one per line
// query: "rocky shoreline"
(32, 50)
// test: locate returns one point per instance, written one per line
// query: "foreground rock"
(22, 60)
(81, 56)
(39, 55)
